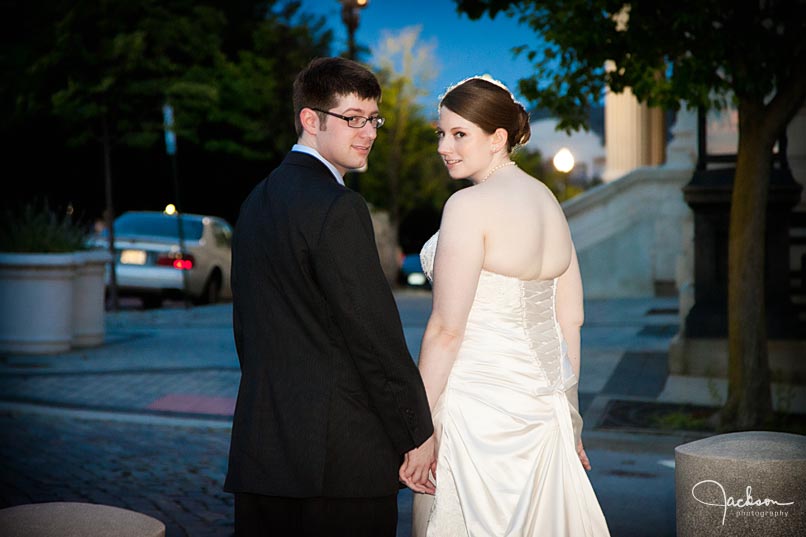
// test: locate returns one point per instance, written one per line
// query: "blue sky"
(463, 47)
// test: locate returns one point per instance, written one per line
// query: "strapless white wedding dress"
(506, 431)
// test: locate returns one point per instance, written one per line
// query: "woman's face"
(464, 147)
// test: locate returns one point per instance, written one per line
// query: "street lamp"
(349, 14)
(564, 163)
(564, 160)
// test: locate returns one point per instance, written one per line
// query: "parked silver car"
(149, 263)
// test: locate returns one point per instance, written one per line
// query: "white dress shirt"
(314, 153)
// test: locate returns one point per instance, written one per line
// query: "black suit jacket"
(329, 398)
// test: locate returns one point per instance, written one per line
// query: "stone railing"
(629, 233)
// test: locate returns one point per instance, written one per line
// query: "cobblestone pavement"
(142, 422)
(172, 473)
(175, 473)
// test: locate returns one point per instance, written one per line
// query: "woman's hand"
(583, 457)
(416, 465)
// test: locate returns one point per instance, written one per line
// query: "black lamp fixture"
(350, 15)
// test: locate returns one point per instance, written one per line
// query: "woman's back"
(526, 235)
(500, 354)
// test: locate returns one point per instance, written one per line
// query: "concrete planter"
(88, 298)
(36, 302)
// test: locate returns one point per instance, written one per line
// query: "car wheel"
(212, 290)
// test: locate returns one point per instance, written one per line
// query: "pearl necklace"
(503, 165)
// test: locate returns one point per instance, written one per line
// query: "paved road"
(142, 422)
(170, 472)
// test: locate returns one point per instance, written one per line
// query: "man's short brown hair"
(324, 80)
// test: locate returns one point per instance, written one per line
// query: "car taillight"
(177, 261)
(183, 264)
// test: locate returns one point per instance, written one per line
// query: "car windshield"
(158, 225)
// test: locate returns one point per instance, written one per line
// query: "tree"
(404, 171)
(252, 117)
(98, 72)
(119, 61)
(705, 53)
(226, 66)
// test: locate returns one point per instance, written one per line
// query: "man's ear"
(309, 120)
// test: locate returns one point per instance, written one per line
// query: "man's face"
(345, 147)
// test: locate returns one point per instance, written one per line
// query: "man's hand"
(416, 465)
(583, 457)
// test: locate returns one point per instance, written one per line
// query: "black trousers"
(269, 516)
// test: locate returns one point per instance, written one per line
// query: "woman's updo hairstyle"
(490, 105)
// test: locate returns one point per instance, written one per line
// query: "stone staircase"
(630, 232)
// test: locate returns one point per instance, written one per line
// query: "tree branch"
(787, 101)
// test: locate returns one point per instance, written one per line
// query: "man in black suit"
(330, 399)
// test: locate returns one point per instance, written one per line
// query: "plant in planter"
(51, 285)
(34, 229)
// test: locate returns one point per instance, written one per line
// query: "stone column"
(633, 135)
(386, 242)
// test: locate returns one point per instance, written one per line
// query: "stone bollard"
(68, 519)
(742, 484)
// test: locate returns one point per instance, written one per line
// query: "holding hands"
(414, 472)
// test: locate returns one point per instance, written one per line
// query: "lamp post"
(349, 15)
(170, 149)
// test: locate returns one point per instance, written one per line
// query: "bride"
(500, 355)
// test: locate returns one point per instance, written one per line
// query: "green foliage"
(404, 172)
(702, 52)
(682, 421)
(253, 116)
(705, 53)
(532, 163)
(108, 66)
(419, 174)
(35, 228)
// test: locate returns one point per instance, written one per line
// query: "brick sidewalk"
(174, 474)
(143, 421)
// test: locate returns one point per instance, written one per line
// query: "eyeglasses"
(356, 122)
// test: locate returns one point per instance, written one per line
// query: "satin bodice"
(507, 422)
(512, 326)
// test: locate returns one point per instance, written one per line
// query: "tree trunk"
(396, 141)
(749, 402)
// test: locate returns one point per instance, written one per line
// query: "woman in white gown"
(501, 351)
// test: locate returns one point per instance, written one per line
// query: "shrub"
(35, 228)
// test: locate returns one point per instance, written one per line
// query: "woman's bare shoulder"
(463, 201)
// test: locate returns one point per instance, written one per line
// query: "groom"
(330, 399)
